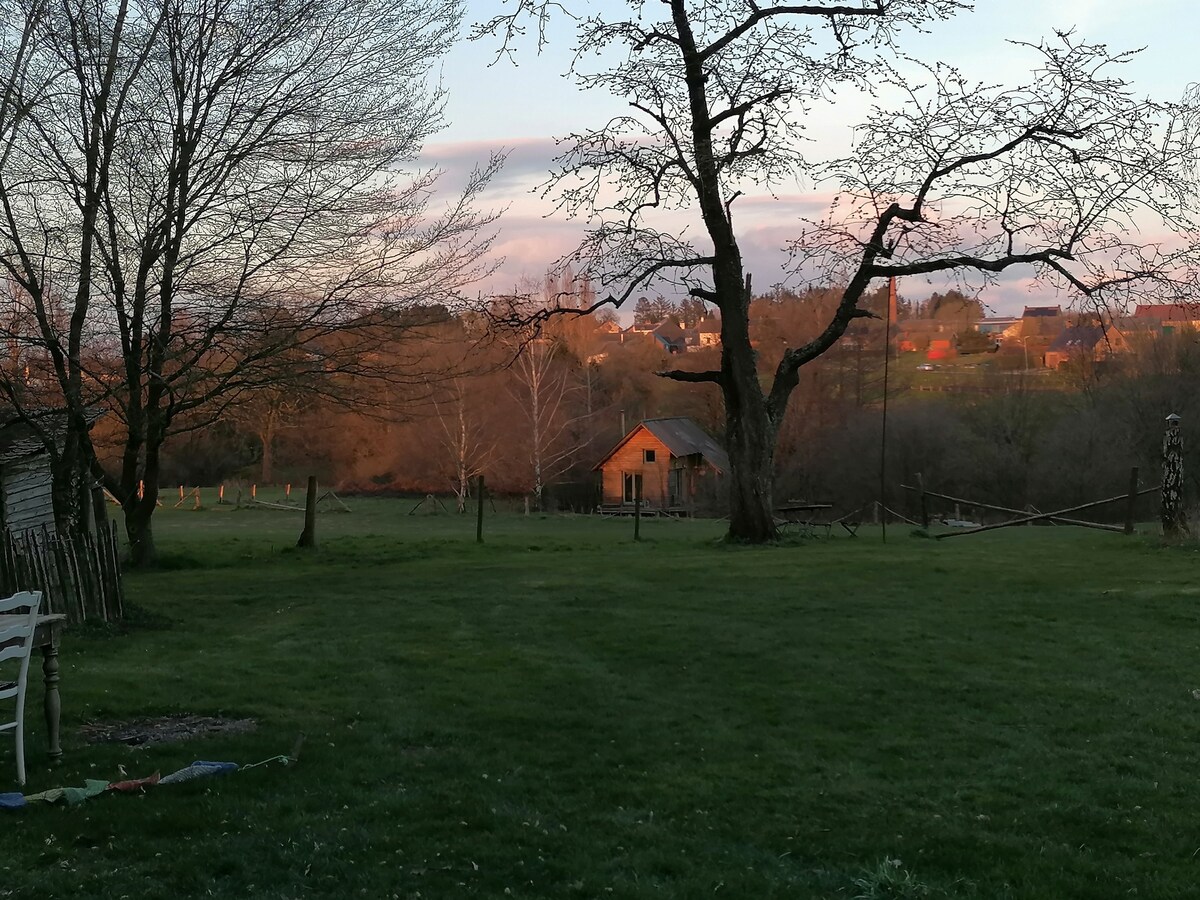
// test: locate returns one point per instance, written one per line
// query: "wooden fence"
(79, 575)
(1031, 515)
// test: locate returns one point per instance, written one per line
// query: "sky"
(522, 105)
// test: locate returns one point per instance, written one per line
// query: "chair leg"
(20, 751)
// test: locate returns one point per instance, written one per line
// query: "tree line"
(535, 417)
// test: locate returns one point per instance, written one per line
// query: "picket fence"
(78, 575)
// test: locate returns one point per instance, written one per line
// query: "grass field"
(563, 713)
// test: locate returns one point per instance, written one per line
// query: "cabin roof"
(18, 439)
(682, 437)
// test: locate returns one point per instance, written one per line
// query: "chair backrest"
(18, 622)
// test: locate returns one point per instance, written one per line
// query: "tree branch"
(877, 8)
(711, 377)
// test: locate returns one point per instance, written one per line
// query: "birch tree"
(467, 442)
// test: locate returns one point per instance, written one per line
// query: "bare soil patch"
(163, 729)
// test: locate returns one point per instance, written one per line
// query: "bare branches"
(510, 27)
(1062, 177)
(620, 261)
(869, 8)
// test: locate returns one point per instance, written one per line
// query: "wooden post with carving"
(308, 537)
(1174, 519)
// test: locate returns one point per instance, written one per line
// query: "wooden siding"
(28, 501)
(629, 459)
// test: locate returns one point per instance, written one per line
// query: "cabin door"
(633, 486)
(675, 488)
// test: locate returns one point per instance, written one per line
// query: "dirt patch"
(162, 729)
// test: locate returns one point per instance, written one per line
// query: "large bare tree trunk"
(139, 528)
(751, 448)
(750, 433)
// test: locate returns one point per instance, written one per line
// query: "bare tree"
(552, 380)
(1055, 176)
(267, 411)
(73, 67)
(543, 386)
(239, 172)
(469, 444)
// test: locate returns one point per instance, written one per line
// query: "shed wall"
(28, 501)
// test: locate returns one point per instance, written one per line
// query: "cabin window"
(633, 486)
(647, 456)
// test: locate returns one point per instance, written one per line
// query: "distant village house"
(1090, 343)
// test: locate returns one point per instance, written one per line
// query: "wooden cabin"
(667, 461)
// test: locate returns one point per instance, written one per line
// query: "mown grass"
(563, 713)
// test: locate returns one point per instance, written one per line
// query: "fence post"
(637, 510)
(1131, 503)
(99, 516)
(479, 511)
(924, 502)
(1174, 519)
(308, 537)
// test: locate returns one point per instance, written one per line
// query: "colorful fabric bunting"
(199, 769)
(11, 801)
(93, 787)
(135, 784)
(51, 796)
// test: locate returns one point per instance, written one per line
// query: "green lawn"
(563, 713)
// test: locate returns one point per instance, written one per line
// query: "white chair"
(18, 622)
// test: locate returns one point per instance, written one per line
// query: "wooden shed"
(667, 461)
(26, 486)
